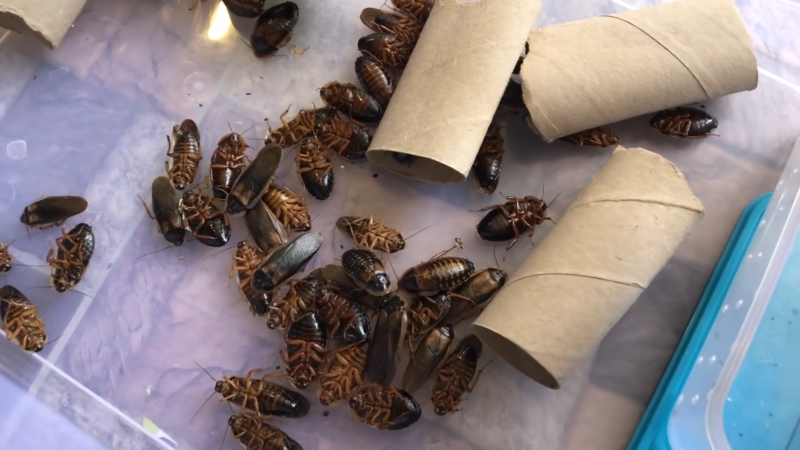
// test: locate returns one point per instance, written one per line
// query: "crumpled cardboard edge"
(46, 20)
(450, 89)
(592, 266)
(598, 71)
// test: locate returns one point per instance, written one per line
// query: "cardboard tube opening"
(417, 167)
(516, 356)
(46, 20)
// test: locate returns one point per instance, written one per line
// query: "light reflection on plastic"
(220, 23)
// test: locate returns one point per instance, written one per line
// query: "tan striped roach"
(255, 434)
(351, 101)
(595, 137)
(440, 273)
(315, 168)
(375, 79)
(301, 126)
(457, 376)
(299, 299)
(184, 153)
(290, 208)
(305, 355)
(21, 320)
(246, 260)
(371, 234)
(345, 373)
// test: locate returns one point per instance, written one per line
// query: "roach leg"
(146, 208)
(471, 387)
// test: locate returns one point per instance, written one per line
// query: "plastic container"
(91, 119)
(732, 382)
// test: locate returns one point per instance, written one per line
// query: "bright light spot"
(220, 23)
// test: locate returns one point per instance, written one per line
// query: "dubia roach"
(6, 259)
(227, 163)
(314, 168)
(75, 250)
(166, 212)
(512, 219)
(389, 50)
(21, 320)
(455, 377)
(246, 260)
(52, 211)
(425, 312)
(476, 292)
(427, 357)
(209, 225)
(335, 275)
(305, 353)
(684, 122)
(351, 101)
(299, 299)
(245, 8)
(255, 179)
(345, 373)
(385, 408)
(344, 319)
(371, 234)
(273, 29)
(489, 161)
(255, 434)
(403, 26)
(262, 397)
(184, 153)
(419, 9)
(301, 126)
(375, 80)
(288, 207)
(595, 137)
(390, 333)
(285, 261)
(347, 138)
(266, 229)
(439, 274)
(367, 271)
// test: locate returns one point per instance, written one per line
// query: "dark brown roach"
(512, 219)
(389, 50)
(166, 212)
(439, 274)
(52, 211)
(475, 293)
(375, 79)
(345, 373)
(266, 229)
(305, 354)
(285, 261)
(344, 319)
(184, 153)
(347, 138)
(261, 396)
(371, 234)
(364, 298)
(595, 137)
(405, 27)
(424, 313)
(427, 357)
(403, 158)
(455, 377)
(385, 408)
(21, 320)
(684, 122)
(255, 180)
(301, 126)
(300, 299)
(367, 271)
(351, 101)
(209, 225)
(335, 275)
(419, 9)
(227, 163)
(489, 161)
(273, 29)
(314, 168)
(75, 250)
(245, 8)
(254, 434)
(245, 261)
(5, 258)
(288, 207)
(391, 327)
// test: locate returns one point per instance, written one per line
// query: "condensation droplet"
(760, 254)
(712, 359)
(695, 399)
(739, 303)
(680, 400)
(700, 359)
(750, 256)
(724, 308)
(17, 149)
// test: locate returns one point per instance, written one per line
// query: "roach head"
(379, 284)
(410, 414)
(498, 276)
(234, 205)
(219, 386)
(175, 236)
(262, 282)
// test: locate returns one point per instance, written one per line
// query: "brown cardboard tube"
(594, 72)
(451, 87)
(46, 20)
(586, 273)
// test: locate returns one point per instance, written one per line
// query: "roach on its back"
(403, 26)
(273, 29)
(285, 261)
(254, 434)
(345, 374)
(375, 79)
(347, 138)
(344, 319)
(385, 408)
(389, 50)
(596, 137)
(439, 274)
(419, 9)
(255, 179)
(166, 212)
(305, 354)
(489, 161)
(184, 153)
(335, 275)
(20, 320)
(455, 377)
(6, 259)
(301, 126)
(426, 312)
(227, 163)
(512, 219)
(351, 101)
(246, 260)
(209, 225)
(371, 234)
(262, 397)
(288, 207)
(315, 168)
(69, 263)
(391, 327)
(684, 122)
(367, 271)
(52, 211)
(300, 299)
(245, 8)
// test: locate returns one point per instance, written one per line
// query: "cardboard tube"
(586, 273)
(46, 20)
(594, 72)
(451, 87)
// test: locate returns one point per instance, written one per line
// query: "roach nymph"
(351, 101)
(301, 126)
(20, 320)
(254, 434)
(227, 163)
(344, 319)
(273, 29)
(403, 26)
(489, 161)
(52, 211)
(596, 137)
(439, 274)
(385, 408)
(300, 299)
(375, 79)
(6, 259)
(262, 397)
(315, 168)
(344, 375)
(372, 234)
(389, 50)
(184, 153)
(290, 208)
(209, 225)
(305, 350)
(367, 271)
(245, 8)
(425, 312)
(246, 260)
(419, 9)
(454, 378)
(684, 122)
(349, 139)
(512, 219)
(69, 262)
